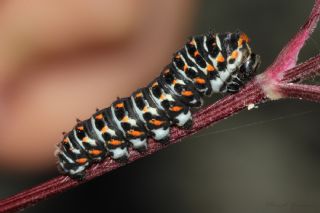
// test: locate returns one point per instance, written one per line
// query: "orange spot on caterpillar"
(99, 117)
(178, 56)
(234, 54)
(196, 53)
(85, 139)
(220, 58)
(115, 142)
(82, 160)
(135, 133)
(104, 129)
(200, 80)
(243, 38)
(210, 68)
(125, 119)
(66, 140)
(95, 152)
(176, 108)
(156, 122)
(139, 94)
(120, 105)
(80, 128)
(162, 97)
(155, 84)
(185, 67)
(187, 93)
(174, 82)
(145, 109)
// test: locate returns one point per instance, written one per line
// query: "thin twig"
(304, 70)
(224, 108)
(288, 56)
(300, 91)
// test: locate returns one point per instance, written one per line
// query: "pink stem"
(306, 92)
(288, 57)
(251, 94)
(226, 107)
(304, 70)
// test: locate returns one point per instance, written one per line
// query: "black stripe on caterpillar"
(207, 64)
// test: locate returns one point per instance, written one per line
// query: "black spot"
(126, 126)
(179, 63)
(191, 73)
(168, 77)
(200, 61)
(214, 51)
(156, 91)
(120, 113)
(140, 103)
(211, 44)
(147, 116)
(178, 88)
(67, 146)
(106, 136)
(232, 60)
(165, 104)
(80, 134)
(221, 66)
(99, 124)
(191, 49)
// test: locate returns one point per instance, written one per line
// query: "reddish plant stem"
(251, 94)
(304, 70)
(300, 91)
(230, 105)
(288, 56)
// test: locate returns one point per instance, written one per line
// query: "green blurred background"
(263, 160)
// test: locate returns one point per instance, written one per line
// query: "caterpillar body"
(207, 64)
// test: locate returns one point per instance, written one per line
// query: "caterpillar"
(207, 64)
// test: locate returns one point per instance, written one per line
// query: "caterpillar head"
(249, 67)
(245, 73)
(250, 61)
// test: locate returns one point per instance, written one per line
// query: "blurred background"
(59, 60)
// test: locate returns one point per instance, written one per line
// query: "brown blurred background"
(62, 59)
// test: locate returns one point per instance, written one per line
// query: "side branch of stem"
(300, 91)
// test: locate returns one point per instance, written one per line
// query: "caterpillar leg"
(106, 130)
(178, 113)
(72, 160)
(119, 154)
(127, 122)
(188, 124)
(184, 120)
(75, 172)
(155, 121)
(244, 74)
